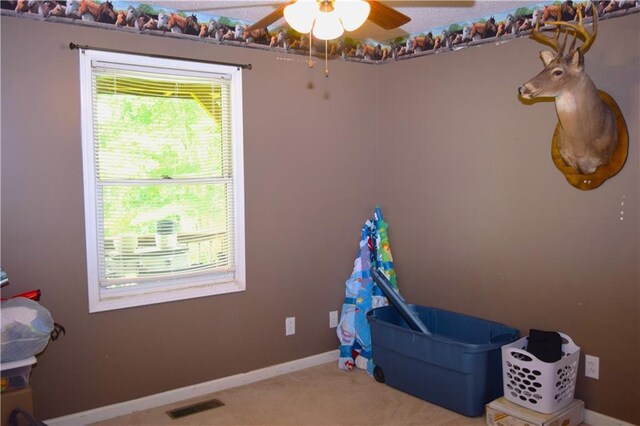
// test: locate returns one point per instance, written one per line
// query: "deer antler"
(553, 42)
(579, 30)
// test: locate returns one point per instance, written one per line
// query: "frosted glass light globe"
(301, 15)
(328, 26)
(353, 13)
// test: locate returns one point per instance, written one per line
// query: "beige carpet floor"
(322, 395)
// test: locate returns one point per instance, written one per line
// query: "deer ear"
(577, 60)
(547, 56)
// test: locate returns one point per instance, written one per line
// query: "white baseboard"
(596, 419)
(169, 397)
(188, 392)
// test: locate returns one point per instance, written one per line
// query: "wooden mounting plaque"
(602, 173)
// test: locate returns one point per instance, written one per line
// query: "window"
(163, 177)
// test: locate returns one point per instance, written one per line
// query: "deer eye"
(558, 73)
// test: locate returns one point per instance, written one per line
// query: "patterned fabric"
(384, 260)
(362, 295)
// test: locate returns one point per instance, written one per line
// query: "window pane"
(176, 133)
(154, 230)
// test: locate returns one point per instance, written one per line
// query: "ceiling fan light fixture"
(353, 13)
(327, 26)
(301, 15)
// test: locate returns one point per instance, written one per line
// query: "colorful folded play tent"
(362, 295)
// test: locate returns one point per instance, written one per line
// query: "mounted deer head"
(590, 124)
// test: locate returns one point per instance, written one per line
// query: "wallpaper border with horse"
(166, 22)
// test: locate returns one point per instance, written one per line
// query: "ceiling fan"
(380, 14)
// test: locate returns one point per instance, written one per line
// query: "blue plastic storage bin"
(458, 366)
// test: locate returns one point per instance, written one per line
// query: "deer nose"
(525, 92)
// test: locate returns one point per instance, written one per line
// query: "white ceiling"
(425, 15)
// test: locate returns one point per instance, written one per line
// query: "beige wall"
(308, 191)
(480, 220)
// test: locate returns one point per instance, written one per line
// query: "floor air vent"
(195, 408)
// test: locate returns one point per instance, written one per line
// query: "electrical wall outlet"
(592, 366)
(290, 326)
(333, 319)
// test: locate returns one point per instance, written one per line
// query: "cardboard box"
(21, 398)
(505, 413)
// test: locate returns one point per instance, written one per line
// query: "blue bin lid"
(398, 302)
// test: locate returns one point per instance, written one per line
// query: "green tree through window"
(161, 138)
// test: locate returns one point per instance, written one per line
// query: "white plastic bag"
(26, 329)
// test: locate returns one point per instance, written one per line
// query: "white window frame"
(101, 299)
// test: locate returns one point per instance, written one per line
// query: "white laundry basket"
(545, 387)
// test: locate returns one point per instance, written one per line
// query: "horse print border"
(167, 22)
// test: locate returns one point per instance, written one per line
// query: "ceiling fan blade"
(269, 19)
(386, 17)
(207, 8)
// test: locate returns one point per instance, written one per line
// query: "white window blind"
(162, 171)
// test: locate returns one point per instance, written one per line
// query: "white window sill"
(108, 301)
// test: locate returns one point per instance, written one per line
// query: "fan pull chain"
(326, 58)
(310, 62)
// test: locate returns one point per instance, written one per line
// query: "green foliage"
(348, 41)
(149, 10)
(226, 22)
(158, 138)
(454, 28)
(293, 33)
(523, 11)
